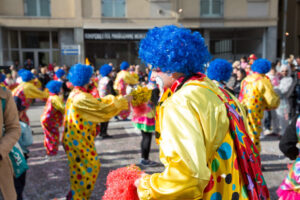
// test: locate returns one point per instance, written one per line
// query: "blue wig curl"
(219, 70)
(261, 66)
(2, 77)
(174, 49)
(25, 75)
(59, 73)
(80, 74)
(54, 86)
(124, 65)
(105, 70)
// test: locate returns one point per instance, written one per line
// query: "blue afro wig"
(105, 70)
(59, 73)
(25, 75)
(2, 77)
(21, 71)
(54, 86)
(80, 74)
(261, 66)
(219, 70)
(124, 65)
(174, 49)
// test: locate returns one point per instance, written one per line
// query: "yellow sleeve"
(272, 100)
(33, 92)
(190, 134)
(97, 111)
(37, 83)
(58, 103)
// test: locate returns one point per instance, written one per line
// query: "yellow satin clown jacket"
(257, 95)
(195, 147)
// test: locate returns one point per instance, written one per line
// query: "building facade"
(68, 31)
(289, 37)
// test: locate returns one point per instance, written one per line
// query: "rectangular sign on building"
(70, 50)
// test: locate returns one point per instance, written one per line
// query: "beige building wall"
(12, 8)
(137, 9)
(142, 14)
(63, 8)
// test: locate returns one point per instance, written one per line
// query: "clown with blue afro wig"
(219, 70)
(60, 73)
(26, 91)
(79, 74)
(26, 75)
(52, 118)
(84, 111)
(105, 70)
(124, 65)
(261, 66)
(54, 86)
(173, 49)
(190, 103)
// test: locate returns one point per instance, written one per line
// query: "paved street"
(49, 179)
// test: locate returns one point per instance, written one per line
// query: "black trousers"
(146, 144)
(103, 128)
(20, 182)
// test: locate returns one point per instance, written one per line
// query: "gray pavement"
(49, 179)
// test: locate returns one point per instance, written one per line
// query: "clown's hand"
(137, 181)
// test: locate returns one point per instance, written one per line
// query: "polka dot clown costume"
(257, 95)
(83, 112)
(203, 138)
(52, 117)
(123, 79)
(27, 91)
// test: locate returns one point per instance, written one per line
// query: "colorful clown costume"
(145, 122)
(123, 79)
(51, 120)
(83, 112)
(290, 187)
(257, 95)
(27, 91)
(198, 149)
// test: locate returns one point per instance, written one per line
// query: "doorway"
(38, 57)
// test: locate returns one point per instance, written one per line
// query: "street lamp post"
(283, 44)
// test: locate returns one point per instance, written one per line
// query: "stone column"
(271, 43)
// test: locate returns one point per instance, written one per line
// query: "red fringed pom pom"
(120, 184)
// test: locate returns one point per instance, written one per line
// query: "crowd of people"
(208, 117)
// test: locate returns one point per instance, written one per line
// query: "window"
(221, 46)
(37, 8)
(113, 8)
(211, 8)
(35, 39)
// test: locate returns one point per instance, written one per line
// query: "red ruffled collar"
(179, 82)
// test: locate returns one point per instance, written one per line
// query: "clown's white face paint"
(160, 83)
(164, 80)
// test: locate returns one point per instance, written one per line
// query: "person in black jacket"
(289, 188)
(288, 142)
(105, 87)
(43, 77)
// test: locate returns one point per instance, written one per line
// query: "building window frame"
(21, 49)
(114, 13)
(211, 13)
(38, 8)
